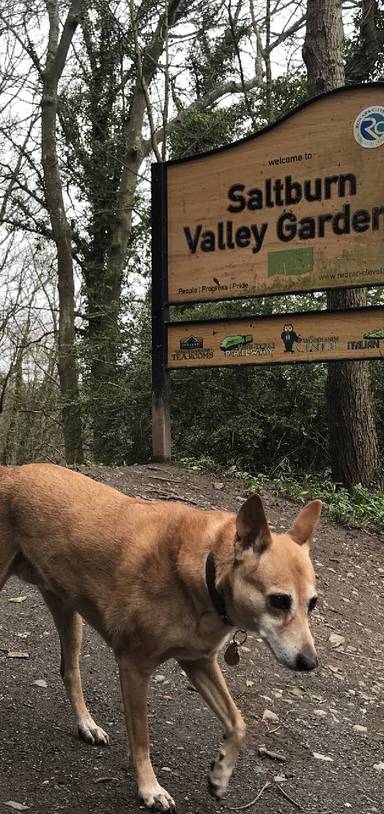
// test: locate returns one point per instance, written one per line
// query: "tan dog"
(157, 580)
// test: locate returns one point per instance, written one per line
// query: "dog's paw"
(156, 798)
(91, 733)
(219, 775)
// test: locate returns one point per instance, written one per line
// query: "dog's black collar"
(217, 598)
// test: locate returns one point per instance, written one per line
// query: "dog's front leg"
(206, 676)
(134, 687)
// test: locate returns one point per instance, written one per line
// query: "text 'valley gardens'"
(286, 193)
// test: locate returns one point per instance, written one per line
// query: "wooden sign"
(298, 206)
(305, 337)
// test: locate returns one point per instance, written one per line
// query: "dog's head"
(272, 583)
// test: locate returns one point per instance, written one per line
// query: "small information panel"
(298, 206)
(305, 337)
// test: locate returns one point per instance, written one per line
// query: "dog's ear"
(306, 522)
(252, 527)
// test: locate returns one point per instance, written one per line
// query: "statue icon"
(289, 337)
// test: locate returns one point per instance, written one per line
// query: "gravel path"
(329, 729)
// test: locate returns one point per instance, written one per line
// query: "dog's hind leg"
(8, 553)
(206, 676)
(70, 629)
(6, 564)
(8, 547)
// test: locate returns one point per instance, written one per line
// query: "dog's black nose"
(306, 662)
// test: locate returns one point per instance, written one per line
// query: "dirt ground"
(330, 726)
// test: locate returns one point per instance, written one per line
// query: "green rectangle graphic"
(290, 262)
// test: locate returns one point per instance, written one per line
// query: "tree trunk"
(12, 440)
(352, 434)
(103, 177)
(366, 53)
(268, 65)
(104, 284)
(67, 367)
(324, 46)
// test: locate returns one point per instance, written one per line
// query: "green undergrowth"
(360, 507)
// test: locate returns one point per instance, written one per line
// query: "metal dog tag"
(231, 655)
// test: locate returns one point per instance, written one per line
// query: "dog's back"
(62, 530)
(82, 539)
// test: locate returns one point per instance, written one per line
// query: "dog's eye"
(312, 604)
(281, 602)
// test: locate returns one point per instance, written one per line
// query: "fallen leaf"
(249, 683)
(268, 715)
(296, 691)
(359, 728)
(17, 599)
(335, 640)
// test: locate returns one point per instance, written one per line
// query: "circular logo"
(368, 128)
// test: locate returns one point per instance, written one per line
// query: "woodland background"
(90, 93)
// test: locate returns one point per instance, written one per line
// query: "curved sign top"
(297, 207)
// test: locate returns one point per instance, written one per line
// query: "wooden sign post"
(299, 206)
(161, 425)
